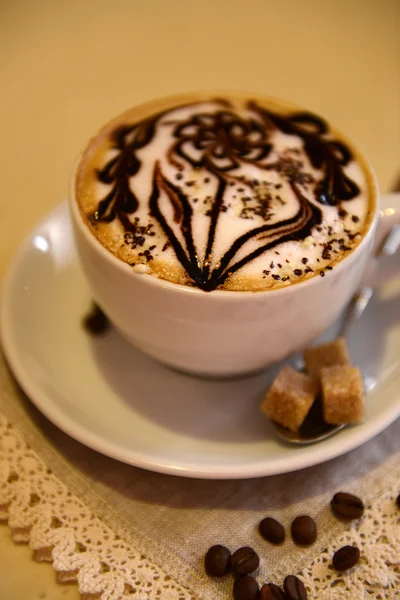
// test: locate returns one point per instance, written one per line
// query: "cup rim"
(152, 280)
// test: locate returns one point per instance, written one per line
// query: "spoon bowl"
(299, 438)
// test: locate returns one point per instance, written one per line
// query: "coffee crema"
(231, 193)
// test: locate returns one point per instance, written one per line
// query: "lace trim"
(377, 575)
(41, 511)
(59, 528)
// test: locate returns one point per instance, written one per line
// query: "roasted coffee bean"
(272, 531)
(96, 322)
(217, 561)
(245, 561)
(294, 588)
(398, 501)
(270, 591)
(345, 558)
(304, 530)
(245, 588)
(347, 506)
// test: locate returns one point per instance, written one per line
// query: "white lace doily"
(41, 511)
(377, 575)
(59, 528)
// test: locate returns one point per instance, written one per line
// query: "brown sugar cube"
(289, 398)
(342, 394)
(326, 355)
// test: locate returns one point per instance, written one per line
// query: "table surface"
(67, 67)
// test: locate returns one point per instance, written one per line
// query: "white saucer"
(116, 400)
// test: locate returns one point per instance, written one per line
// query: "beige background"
(68, 66)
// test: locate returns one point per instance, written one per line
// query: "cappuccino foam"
(232, 193)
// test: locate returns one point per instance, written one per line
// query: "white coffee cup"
(221, 333)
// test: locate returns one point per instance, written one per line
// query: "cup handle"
(387, 240)
(387, 237)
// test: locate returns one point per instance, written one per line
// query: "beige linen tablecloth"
(66, 67)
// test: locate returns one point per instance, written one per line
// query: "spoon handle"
(355, 309)
(361, 299)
